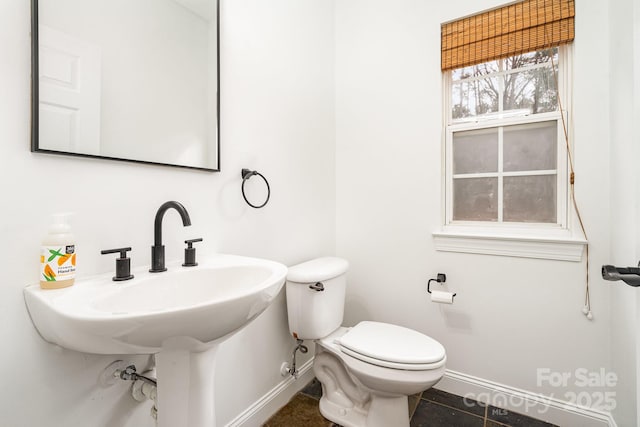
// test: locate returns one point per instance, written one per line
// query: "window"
(506, 159)
(506, 90)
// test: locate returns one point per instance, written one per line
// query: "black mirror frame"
(35, 101)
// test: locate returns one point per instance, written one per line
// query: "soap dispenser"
(58, 256)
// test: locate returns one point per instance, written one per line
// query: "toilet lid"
(392, 345)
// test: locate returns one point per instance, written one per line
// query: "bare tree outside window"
(521, 82)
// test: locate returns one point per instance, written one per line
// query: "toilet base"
(346, 402)
(360, 394)
(346, 417)
(382, 412)
(388, 411)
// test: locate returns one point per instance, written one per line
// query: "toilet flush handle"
(318, 287)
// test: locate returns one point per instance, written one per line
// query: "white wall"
(512, 315)
(277, 117)
(636, 154)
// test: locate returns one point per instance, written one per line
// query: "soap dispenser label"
(58, 263)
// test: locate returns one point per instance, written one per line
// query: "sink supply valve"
(129, 374)
(440, 297)
(291, 368)
(123, 264)
(143, 387)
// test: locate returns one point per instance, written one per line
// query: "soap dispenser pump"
(58, 255)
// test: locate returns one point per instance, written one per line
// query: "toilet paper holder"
(440, 278)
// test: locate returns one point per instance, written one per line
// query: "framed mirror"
(132, 80)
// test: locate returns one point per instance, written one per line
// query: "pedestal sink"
(180, 315)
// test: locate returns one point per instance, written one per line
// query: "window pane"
(530, 199)
(474, 98)
(475, 199)
(531, 58)
(531, 90)
(476, 70)
(475, 151)
(530, 147)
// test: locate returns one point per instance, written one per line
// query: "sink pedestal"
(185, 373)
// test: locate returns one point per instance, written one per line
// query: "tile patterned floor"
(432, 408)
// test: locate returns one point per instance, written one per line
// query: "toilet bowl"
(366, 371)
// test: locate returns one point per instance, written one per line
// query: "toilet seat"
(392, 346)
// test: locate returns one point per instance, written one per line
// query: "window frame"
(524, 239)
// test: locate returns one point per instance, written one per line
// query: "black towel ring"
(246, 174)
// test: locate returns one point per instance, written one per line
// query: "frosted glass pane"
(475, 199)
(475, 151)
(530, 147)
(474, 98)
(530, 199)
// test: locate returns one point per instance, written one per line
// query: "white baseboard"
(552, 410)
(276, 398)
(544, 408)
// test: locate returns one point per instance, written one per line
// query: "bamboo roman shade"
(510, 30)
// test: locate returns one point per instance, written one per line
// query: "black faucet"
(157, 250)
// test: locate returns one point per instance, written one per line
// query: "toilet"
(366, 371)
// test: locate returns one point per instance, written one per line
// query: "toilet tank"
(313, 313)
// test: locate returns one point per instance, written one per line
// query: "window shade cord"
(574, 202)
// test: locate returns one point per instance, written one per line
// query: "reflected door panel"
(69, 93)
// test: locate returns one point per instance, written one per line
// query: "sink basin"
(181, 316)
(201, 304)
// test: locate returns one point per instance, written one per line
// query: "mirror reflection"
(128, 80)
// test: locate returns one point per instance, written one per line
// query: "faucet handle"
(190, 253)
(123, 264)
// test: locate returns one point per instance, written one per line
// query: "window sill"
(562, 248)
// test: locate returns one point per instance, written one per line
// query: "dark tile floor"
(432, 408)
